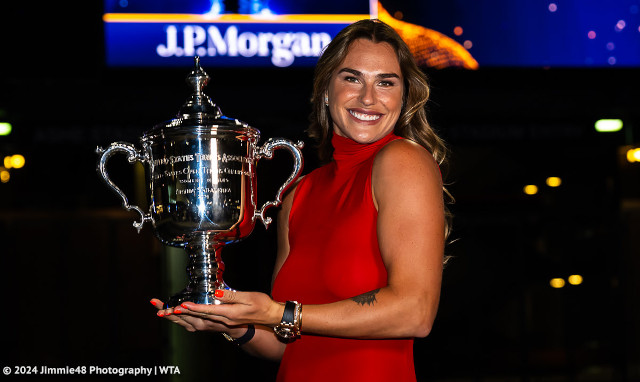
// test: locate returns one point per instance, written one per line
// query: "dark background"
(77, 277)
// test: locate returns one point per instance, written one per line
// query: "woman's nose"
(368, 95)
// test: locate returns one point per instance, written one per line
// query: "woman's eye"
(386, 83)
(350, 79)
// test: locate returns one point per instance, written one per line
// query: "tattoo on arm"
(368, 298)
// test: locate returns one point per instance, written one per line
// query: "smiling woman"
(360, 239)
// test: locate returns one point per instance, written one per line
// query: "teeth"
(365, 117)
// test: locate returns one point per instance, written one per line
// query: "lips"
(365, 116)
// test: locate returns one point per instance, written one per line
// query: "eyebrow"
(359, 73)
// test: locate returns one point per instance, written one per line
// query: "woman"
(361, 239)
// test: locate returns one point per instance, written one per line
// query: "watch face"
(285, 330)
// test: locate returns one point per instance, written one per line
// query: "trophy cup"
(202, 185)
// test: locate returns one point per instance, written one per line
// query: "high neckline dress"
(334, 255)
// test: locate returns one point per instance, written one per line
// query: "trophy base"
(197, 297)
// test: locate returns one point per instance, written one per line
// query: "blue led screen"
(497, 33)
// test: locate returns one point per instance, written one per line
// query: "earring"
(326, 100)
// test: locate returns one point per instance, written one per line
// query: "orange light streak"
(228, 18)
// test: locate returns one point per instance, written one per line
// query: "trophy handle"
(132, 156)
(266, 151)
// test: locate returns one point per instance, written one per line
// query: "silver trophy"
(202, 185)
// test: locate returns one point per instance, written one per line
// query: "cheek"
(394, 102)
(338, 101)
(393, 105)
(341, 94)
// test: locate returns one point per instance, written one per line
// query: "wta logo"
(283, 47)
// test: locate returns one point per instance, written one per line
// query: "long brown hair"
(412, 123)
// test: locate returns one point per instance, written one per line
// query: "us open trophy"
(202, 186)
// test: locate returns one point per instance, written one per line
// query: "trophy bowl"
(202, 185)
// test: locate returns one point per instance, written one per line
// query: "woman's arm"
(407, 191)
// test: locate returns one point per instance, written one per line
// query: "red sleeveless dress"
(334, 255)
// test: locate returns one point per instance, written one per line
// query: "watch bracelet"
(243, 339)
(297, 320)
(291, 323)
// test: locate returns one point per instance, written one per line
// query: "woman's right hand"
(264, 343)
(194, 323)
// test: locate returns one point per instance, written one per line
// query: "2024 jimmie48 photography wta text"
(91, 370)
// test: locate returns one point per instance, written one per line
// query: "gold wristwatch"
(290, 326)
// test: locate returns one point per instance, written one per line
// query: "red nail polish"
(177, 311)
(153, 303)
(184, 305)
(160, 314)
(219, 293)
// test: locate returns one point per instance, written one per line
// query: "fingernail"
(184, 305)
(160, 314)
(177, 311)
(153, 303)
(219, 293)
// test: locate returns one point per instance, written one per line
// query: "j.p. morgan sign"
(281, 47)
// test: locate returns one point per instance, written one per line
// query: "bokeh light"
(530, 189)
(591, 35)
(557, 283)
(4, 176)
(608, 125)
(575, 279)
(554, 181)
(458, 31)
(633, 155)
(17, 161)
(5, 128)
(553, 7)
(14, 161)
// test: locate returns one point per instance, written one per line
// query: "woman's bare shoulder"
(406, 174)
(403, 157)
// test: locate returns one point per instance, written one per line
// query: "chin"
(369, 138)
(363, 136)
(360, 138)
